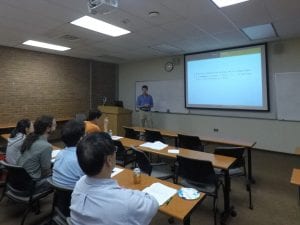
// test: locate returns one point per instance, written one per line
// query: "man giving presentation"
(145, 103)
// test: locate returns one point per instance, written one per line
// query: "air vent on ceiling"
(69, 37)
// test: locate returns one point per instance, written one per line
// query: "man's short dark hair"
(92, 151)
(71, 133)
(145, 86)
(94, 114)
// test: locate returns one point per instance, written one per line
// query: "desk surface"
(218, 161)
(177, 207)
(297, 151)
(295, 179)
(218, 140)
(5, 136)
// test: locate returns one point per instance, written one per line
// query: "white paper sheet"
(115, 137)
(160, 192)
(54, 153)
(116, 171)
(173, 151)
(157, 145)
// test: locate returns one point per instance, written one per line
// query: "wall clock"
(169, 66)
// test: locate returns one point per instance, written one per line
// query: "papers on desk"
(54, 154)
(173, 151)
(157, 145)
(160, 192)
(115, 137)
(115, 171)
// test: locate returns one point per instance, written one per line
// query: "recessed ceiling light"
(260, 31)
(224, 3)
(153, 14)
(45, 45)
(99, 26)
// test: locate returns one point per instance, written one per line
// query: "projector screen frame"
(267, 98)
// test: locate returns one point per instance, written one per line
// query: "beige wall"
(269, 133)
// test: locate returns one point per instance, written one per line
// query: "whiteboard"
(287, 86)
(168, 95)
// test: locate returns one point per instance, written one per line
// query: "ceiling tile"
(283, 10)
(248, 14)
(213, 22)
(142, 8)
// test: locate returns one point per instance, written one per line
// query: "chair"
(198, 174)
(80, 117)
(238, 168)
(152, 136)
(190, 142)
(2, 170)
(158, 170)
(69, 221)
(123, 156)
(21, 188)
(61, 203)
(131, 133)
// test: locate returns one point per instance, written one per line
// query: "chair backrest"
(80, 117)
(61, 198)
(152, 135)
(143, 161)
(131, 133)
(190, 142)
(236, 152)
(121, 151)
(18, 181)
(196, 171)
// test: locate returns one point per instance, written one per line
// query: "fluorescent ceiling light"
(45, 45)
(224, 3)
(99, 26)
(260, 31)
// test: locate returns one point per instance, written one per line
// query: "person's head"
(72, 132)
(43, 125)
(94, 115)
(24, 126)
(144, 89)
(96, 154)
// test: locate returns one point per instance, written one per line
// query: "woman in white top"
(16, 139)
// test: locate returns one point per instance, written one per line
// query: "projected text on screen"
(228, 79)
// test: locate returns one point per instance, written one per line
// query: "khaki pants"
(146, 118)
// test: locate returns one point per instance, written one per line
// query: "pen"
(167, 202)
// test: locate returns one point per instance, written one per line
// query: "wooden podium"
(118, 117)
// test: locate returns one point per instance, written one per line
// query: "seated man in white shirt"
(66, 170)
(99, 200)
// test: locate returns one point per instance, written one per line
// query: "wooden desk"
(295, 179)
(163, 132)
(5, 136)
(216, 140)
(178, 208)
(218, 161)
(128, 142)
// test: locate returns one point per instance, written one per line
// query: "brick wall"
(103, 83)
(34, 83)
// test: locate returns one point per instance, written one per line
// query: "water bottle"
(110, 133)
(137, 176)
